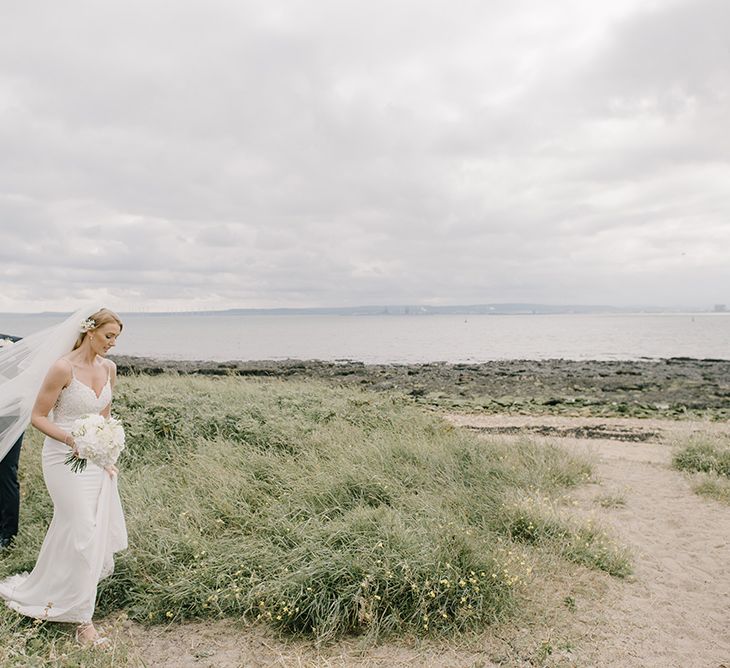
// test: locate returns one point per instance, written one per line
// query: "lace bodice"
(77, 399)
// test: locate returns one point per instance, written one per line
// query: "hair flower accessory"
(88, 324)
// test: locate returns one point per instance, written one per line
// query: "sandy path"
(675, 611)
(223, 644)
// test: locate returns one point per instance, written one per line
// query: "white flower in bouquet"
(98, 439)
(6, 342)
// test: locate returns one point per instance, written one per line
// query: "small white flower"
(88, 324)
(5, 342)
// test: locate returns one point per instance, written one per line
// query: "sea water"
(412, 338)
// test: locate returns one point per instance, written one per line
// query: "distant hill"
(463, 309)
(418, 309)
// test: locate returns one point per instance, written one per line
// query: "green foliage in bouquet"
(77, 464)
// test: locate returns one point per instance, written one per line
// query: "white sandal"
(100, 641)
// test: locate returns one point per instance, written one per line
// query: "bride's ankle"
(87, 635)
(86, 631)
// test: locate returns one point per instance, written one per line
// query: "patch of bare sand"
(675, 610)
(225, 644)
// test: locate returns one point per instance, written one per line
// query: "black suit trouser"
(10, 492)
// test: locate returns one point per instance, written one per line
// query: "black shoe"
(5, 543)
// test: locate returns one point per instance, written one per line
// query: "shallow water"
(410, 338)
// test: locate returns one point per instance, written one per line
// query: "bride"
(88, 525)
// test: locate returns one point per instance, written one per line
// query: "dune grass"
(713, 487)
(708, 461)
(317, 510)
(704, 456)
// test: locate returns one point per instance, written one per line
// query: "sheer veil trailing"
(23, 366)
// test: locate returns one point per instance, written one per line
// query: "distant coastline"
(422, 310)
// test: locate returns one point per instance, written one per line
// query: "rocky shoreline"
(676, 387)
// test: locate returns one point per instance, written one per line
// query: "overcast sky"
(213, 154)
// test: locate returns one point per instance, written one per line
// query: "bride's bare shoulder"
(111, 370)
(61, 371)
(62, 364)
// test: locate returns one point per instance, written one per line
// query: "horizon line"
(384, 308)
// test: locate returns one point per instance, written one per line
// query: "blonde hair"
(102, 317)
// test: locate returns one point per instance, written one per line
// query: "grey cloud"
(269, 154)
(667, 57)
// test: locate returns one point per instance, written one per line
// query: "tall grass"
(321, 511)
(709, 460)
(704, 457)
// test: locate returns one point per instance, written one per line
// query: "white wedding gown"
(87, 527)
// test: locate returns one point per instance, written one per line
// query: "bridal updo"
(102, 317)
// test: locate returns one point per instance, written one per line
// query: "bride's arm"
(111, 470)
(113, 381)
(58, 376)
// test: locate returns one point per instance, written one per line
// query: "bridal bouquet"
(98, 439)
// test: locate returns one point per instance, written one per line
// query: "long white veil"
(23, 366)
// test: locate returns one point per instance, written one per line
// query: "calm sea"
(393, 338)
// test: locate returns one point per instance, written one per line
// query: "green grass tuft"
(531, 521)
(704, 457)
(713, 487)
(611, 500)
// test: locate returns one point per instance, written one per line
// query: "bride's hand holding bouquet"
(97, 439)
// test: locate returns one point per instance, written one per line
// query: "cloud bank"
(252, 154)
